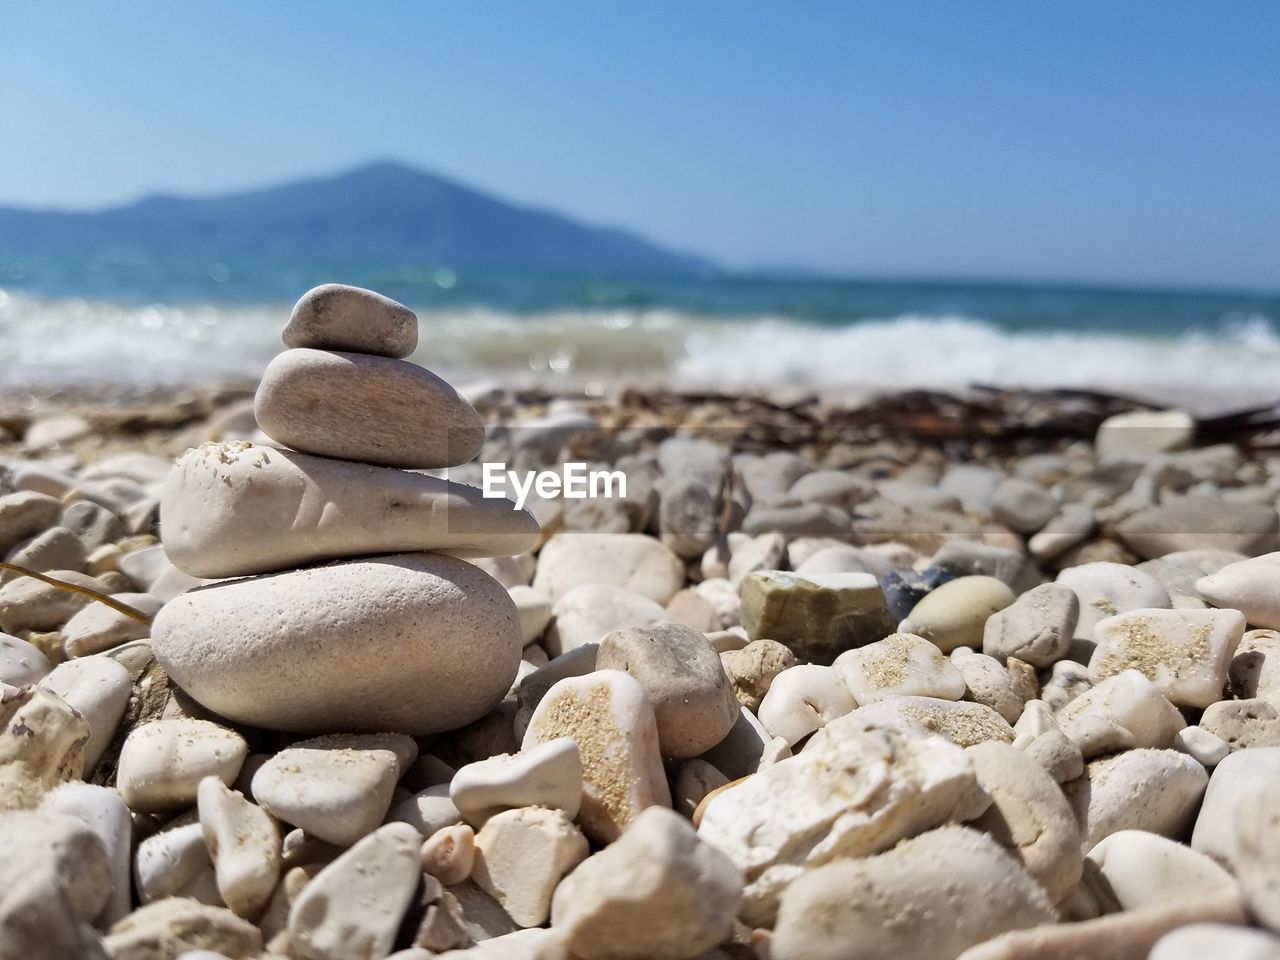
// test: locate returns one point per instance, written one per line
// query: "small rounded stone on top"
(334, 316)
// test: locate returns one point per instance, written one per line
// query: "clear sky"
(1084, 139)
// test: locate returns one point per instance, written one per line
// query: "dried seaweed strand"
(111, 602)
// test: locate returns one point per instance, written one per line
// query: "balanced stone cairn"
(353, 612)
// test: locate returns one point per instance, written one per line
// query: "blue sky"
(1110, 141)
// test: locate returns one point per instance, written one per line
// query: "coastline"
(1204, 354)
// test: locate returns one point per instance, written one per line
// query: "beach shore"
(1025, 609)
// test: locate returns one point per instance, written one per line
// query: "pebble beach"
(928, 676)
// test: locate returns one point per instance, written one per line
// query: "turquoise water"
(135, 280)
(117, 317)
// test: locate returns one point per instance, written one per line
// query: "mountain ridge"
(380, 209)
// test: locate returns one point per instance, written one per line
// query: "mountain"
(382, 210)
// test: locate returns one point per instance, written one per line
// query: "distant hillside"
(383, 210)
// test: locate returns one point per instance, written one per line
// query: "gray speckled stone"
(372, 409)
(1037, 627)
(334, 316)
(692, 698)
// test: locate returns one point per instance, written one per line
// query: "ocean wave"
(1236, 364)
(84, 342)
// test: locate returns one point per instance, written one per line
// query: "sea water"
(121, 319)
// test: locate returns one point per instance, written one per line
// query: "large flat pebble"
(233, 509)
(415, 643)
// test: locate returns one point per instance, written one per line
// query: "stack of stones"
(351, 609)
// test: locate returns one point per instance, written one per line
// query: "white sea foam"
(74, 341)
(1236, 366)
